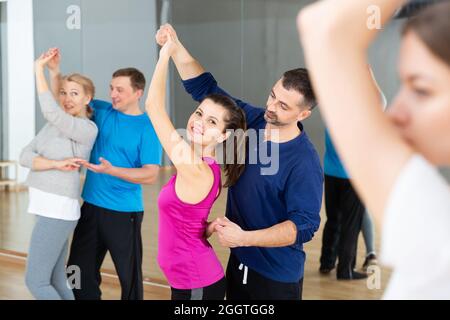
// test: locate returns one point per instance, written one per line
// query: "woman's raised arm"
(335, 37)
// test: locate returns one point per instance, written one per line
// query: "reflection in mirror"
(246, 44)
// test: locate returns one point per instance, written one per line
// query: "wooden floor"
(12, 286)
(15, 231)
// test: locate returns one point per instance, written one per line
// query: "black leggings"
(216, 291)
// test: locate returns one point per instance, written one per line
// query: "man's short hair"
(298, 80)
(137, 79)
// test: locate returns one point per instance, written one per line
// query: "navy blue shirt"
(261, 199)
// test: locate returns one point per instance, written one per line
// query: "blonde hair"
(88, 87)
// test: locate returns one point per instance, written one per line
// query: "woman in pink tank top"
(184, 254)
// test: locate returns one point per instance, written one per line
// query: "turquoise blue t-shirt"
(332, 165)
(126, 141)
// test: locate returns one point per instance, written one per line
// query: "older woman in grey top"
(53, 157)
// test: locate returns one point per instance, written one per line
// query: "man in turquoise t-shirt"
(126, 154)
(345, 212)
(346, 215)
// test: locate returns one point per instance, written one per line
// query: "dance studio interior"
(245, 44)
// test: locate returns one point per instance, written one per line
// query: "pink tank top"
(184, 255)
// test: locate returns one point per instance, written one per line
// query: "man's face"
(122, 94)
(284, 107)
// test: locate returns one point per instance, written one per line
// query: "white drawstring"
(244, 280)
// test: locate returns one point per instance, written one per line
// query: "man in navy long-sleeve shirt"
(274, 207)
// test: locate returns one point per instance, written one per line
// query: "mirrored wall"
(246, 44)
(3, 73)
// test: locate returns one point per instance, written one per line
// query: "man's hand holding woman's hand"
(167, 38)
(230, 235)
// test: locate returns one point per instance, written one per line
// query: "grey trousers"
(46, 271)
(368, 232)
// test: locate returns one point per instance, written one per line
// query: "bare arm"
(41, 82)
(55, 73)
(187, 66)
(335, 38)
(188, 163)
(51, 59)
(42, 164)
(231, 235)
(279, 235)
(145, 175)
